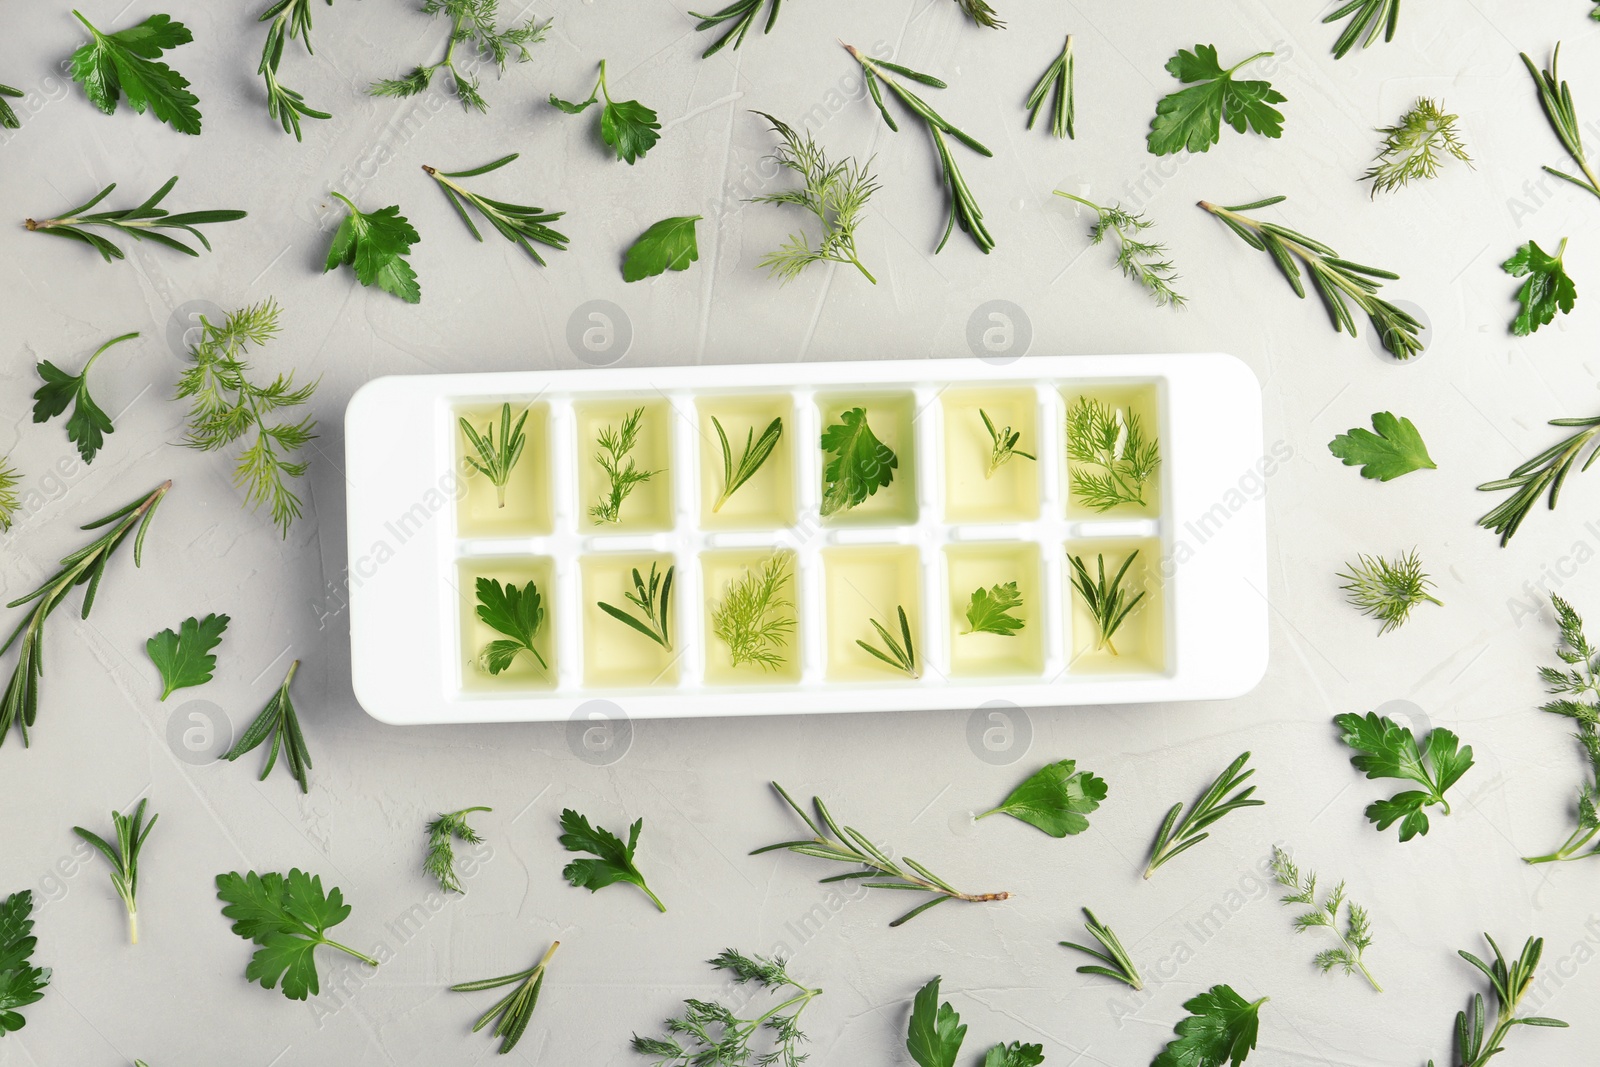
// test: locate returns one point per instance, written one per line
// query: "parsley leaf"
(20, 984)
(1057, 799)
(1547, 290)
(125, 63)
(935, 1034)
(860, 464)
(1388, 750)
(989, 611)
(1192, 118)
(616, 859)
(184, 658)
(288, 916)
(376, 245)
(517, 613)
(88, 424)
(1395, 448)
(1015, 1054)
(626, 125)
(1221, 1028)
(668, 245)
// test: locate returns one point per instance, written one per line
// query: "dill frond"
(1143, 261)
(1415, 147)
(756, 619)
(10, 501)
(471, 21)
(836, 193)
(623, 472)
(1387, 590)
(1111, 443)
(443, 832)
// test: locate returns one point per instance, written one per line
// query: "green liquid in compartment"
(862, 584)
(892, 419)
(524, 673)
(982, 566)
(972, 493)
(719, 571)
(614, 653)
(648, 506)
(1143, 400)
(767, 499)
(1140, 641)
(527, 507)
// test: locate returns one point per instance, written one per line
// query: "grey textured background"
(1480, 397)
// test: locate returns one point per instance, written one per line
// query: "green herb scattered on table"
(1056, 85)
(898, 652)
(184, 658)
(981, 13)
(742, 15)
(127, 64)
(1547, 290)
(1415, 147)
(8, 117)
(836, 193)
(88, 424)
(375, 246)
(613, 862)
(709, 1033)
(1510, 982)
(142, 223)
(279, 719)
(522, 225)
(849, 845)
(288, 916)
(10, 501)
(1221, 1028)
(1339, 281)
(1115, 962)
(964, 210)
(495, 460)
(654, 599)
(858, 463)
(290, 19)
(131, 832)
(518, 613)
(225, 406)
(989, 611)
(755, 618)
(1547, 470)
(1577, 693)
(20, 705)
(623, 473)
(443, 832)
(1015, 1054)
(1391, 448)
(1556, 99)
(1176, 836)
(1142, 261)
(1192, 118)
(935, 1031)
(757, 450)
(1388, 750)
(1354, 939)
(1367, 18)
(21, 983)
(667, 245)
(1112, 440)
(1003, 445)
(1387, 590)
(1057, 798)
(512, 1013)
(471, 22)
(626, 125)
(1107, 602)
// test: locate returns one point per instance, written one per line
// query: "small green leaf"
(1015, 1054)
(125, 63)
(668, 245)
(630, 128)
(1395, 448)
(1192, 118)
(615, 859)
(184, 658)
(935, 1033)
(376, 245)
(859, 466)
(989, 611)
(1057, 799)
(1547, 291)
(288, 916)
(1221, 1028)
(516, 612)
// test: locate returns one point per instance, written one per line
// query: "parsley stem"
(362, 956)
(131, 336)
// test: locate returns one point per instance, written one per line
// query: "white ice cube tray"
(416, 539)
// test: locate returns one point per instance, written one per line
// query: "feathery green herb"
(278, 718)
(836, 193)
(375, 245)
(626, 125)
(1221, 1028)
(1107, 602)
(522, 225)
(709, 1034)
(1004, 445)
(1114, 961)
(654, 599)
(1192, 118)
(1057, 798)
(10, 501)
(613, 862)
(620, 469)
(131, 832)
(667, 245)
(88, 424)
(21, 983)
(989, 611)
(1547, 470)
(1388, 750)
(1356, 936)
(1510, 982)
(1111, 443)
(741, 14)
(1367, 19)
(755, 618)
(1391, 448)
(8, 117)
(1176, 836)
(443, 832)
(1387, 590)
(127, 64)
(858, 465)
(981, 13)
(1339, 281)
(1056, 85)
(142, 223)
(1415, 147)
(20, 705)
(518, 613)
(849, 845)
(288, 916)
(495, 460)
(1577, 697)
(935, 1031)
(290, 19)
(471, 22)
(184, 658)
(1142, 261)
(757, 450)
(898, 652)
(1547, 290)
(1556, 98)
(512, 1013)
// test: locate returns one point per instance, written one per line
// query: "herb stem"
(362, 956)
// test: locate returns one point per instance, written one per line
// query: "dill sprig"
(1003, 445)
(755, 619)
(278, 718)
(225, 406)
(1108, 602)
(1415, 147)
(1056, 85)
(131, 832)
(1547, 470)
(1510, 982)
(849, 845)
(471, 21)
(1367, 19)
(1387, 590)
(756, 452)
(709, 1034)
(742, 15)
(496, 459)
(1555, 96)
(1175, 837)
(899, 653)
(290, 19)
(1339, 281)
(520, 224)
(515, 1009)
(836, 193)
(142, 223)
(622, 471)
(10, 501)
(1356, 936)
(443, 832)
(1143, 261)
(654, 598)
(1577, 693)
(980, 12)
(20, 705)
(1115, 959)
(1111, 441)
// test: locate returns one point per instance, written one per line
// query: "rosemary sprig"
(654, 598)
(496, 459)
(1577, 693)
(1111, 441)
(142, 223)
(836, 193)
(1547, 470)
(278, 718)
(470, 21)
(1367, 18)
(964, 210)
(849, 845)
(1143, 261)
(709, 1034)
(1175, 836)
(622, 471)
(1107, 602)
(742, 15)
(1415, 147)
(131, 832)
(1339, 281)
(443, 832)
(1555, 96)
(8, 117)
(899, 653)
(1356, 936)
(290, 19)
(1056, 85)
(755, 618)
(519, 224)
(756, 452)
(20, 705)
(515, 1009)
(980, 12)
(10, 501)
(1004, 445)
(1510, 982)
(1385, 590)
(1115, 959)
